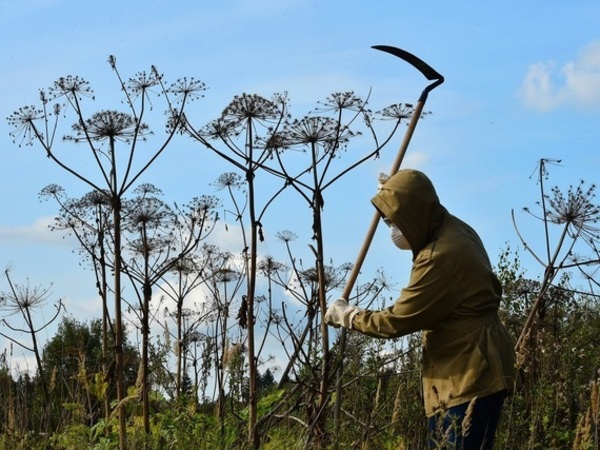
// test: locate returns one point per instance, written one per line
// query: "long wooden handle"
(375, 221)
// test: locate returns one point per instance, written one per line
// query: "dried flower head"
(25, 297)
(97, 199)
(142, 83)
(251, 107)
(218, 129)
(339, 101)
(322, 131)
(229, 180)
(105, 125)
(23, 120)
(313, 130)
(184, 266)
(575, 209)
(187, 89)
(149, 245)
(399, 111)
(146, 212)
(202, 210)
(226, 275)
(270, 266)
(312, 276)
(286, 236)
(71, 86)
(53, 191)
(146, 189)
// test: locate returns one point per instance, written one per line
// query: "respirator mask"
(398, 238)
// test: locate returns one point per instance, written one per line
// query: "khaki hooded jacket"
(453, 296)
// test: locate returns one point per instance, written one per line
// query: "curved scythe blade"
(429, 72)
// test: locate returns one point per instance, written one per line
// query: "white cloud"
(577, 83)
(38, 231)
(415, 159)
(84, 308)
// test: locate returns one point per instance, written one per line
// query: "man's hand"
(340, 314)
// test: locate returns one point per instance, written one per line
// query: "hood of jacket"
(409, 200)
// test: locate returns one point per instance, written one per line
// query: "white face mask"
(398, 238)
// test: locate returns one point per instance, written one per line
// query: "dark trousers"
(450, 430)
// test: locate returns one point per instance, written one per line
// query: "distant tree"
(266, 382)
(7, 400)
(74, 358)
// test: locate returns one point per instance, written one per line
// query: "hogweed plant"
(89, 220)
(156, 237)
(114, 162)
(237, 137)
(325, 137)
(183, 278)
(255, 135)
(25, 300)
(576, 215)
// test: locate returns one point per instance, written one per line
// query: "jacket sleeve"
(426, 301)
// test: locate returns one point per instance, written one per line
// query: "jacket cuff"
(351, 318)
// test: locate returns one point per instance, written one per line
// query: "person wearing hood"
(453, 295)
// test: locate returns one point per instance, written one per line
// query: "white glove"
(340, 314)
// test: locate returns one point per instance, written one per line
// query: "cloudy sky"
(522, 83)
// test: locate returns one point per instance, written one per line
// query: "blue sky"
(522, 83)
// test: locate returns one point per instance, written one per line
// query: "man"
(453, 296)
